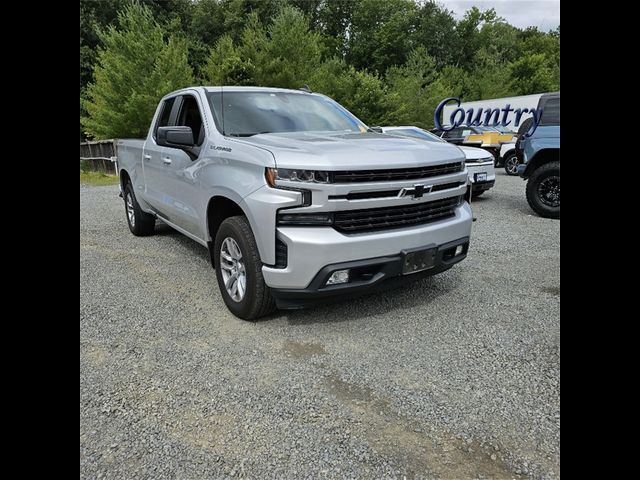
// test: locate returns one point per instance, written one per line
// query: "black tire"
(477, 193)
(257, 300)
(542, 188)
(511, 163)
(140, 223)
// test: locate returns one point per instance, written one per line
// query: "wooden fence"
(99, 156)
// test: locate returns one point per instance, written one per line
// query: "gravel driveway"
(452, 377)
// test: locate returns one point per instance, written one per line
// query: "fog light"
(459, 249)
(339, 276)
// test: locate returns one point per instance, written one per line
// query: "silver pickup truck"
(296, 199)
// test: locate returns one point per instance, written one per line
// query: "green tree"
(290, 52)
(93, 16)
(363, 93)
(436, 31)
(135, 68)
(285, 54)
(381, 34)
(333, 21)
(470, 39)
(237, 14)
(533, 74)
(226, 66)
(419, 86)
(388, 61)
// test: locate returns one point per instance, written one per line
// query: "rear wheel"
(140, 223)
(511, 163)
(239, 270)
(543, 190)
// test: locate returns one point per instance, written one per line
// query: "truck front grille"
(371, 219)
(390, 193)
(356, 176)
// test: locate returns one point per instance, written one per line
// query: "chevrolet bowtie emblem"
(416, 192)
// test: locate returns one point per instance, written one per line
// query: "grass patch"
(98, 178)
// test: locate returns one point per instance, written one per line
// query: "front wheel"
(543, 190)
(511, 164)
(239, 270)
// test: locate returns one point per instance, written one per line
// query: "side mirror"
(175, 137)
(376, 129)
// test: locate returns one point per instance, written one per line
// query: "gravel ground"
(452, 377)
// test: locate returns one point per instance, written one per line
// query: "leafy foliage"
(389, 62)
(136, 67)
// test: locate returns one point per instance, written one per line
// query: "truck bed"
(129, 154)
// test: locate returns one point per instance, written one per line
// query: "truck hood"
(547, 131)
(347, 151)
(475, 153)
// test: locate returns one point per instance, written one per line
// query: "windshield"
(253, 112)
(415, 133)
(502, 129)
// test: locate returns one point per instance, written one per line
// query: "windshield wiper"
(247, 134)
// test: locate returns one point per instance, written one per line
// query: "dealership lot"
(455, 376)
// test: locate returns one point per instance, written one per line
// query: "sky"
(544, 14)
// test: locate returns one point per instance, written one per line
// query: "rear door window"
(165, 114)
(551, 112)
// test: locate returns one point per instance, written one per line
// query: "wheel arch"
(124, 178)
(219, 208)
(542, 157)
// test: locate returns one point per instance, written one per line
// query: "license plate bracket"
(418, 260)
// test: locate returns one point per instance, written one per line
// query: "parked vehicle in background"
(508, 158)
(479, 162)
(539, 158)
(488, 138)
(296, 199)
(504, 130)
(458, 135)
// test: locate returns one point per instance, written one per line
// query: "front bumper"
(475, 168)
(482, 186)
(365, 276)
(310, 249)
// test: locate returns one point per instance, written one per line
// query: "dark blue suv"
(539, 158)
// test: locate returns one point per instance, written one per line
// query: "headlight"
(325, 218)
(272, 175)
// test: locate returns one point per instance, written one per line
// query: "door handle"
(166, 161)
(147, 157)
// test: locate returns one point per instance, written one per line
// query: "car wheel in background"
(511, 163)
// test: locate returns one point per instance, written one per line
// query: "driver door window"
(189, 116)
